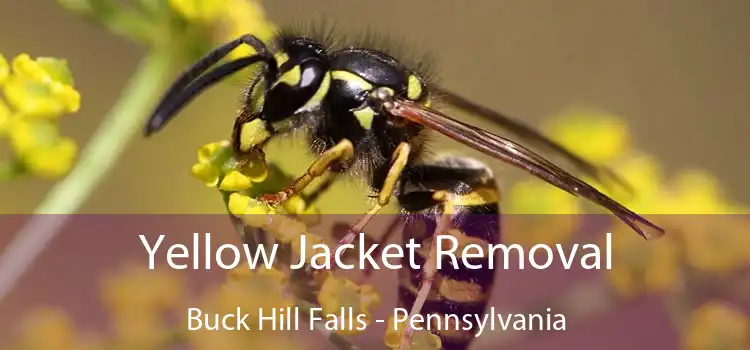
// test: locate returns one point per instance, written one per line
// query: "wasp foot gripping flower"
(339, 293)
(218, 167)
(242, 179)
(36, 93)
(421, 339)
(716, 325)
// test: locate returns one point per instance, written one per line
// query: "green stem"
(119, 127)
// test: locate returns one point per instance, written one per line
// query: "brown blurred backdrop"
(676, 69)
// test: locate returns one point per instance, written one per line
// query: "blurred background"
(673, 74)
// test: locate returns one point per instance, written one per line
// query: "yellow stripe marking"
(291, 77)
(352, 78)
(365, 117)
(413, 88)
(322, 91)
(281, 58)
(484, 195)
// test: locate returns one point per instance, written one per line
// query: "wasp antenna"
(170, 107)
(186, 87)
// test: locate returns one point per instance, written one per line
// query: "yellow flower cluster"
(680, 204)
(339, 293)
(716, 325)
(421, 339)
(539, 214)
(37, 92)
(50, 328)
(231, 18)
(240, 180)
(138, 301)
(217, 167)
(250, 291)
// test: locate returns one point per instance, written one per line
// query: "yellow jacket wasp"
(366, 113)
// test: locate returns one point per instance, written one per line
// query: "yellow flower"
(537, 197)
(640, 266)
(208, 167)
(54, 161)
(216, 162)
(715, 243)
(4, 69)
(697, 192)
(252, 212)
(37, 92)
(235, 181)
(43, 69)
(6, 116)
(297, 206)
(596, 136)
(294, 205)
(199, 10)
(244, 17)
(284, 228)
(42, 87)
(257, 291)
(339, 293)
(421, 339)
(138, 300)
(48, 329)
(540, 213)
(230, 18)
(140, 329)
(716, 325)
(207, 152)
(205, 172)
(247, 292)
(135, 289)
(43, 151)
(643, 173)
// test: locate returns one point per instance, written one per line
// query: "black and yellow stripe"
(471, 196)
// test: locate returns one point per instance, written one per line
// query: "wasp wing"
(519, 156)
(530, 135)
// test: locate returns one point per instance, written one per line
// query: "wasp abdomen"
(462, 287)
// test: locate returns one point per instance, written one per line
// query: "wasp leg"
(341, 152)
(312, 197)
(398, 163)
(429, 270)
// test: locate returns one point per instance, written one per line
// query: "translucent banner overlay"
(550, 282)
